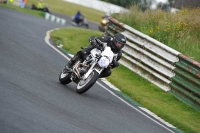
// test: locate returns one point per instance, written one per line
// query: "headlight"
(104, 21)
(103, 62)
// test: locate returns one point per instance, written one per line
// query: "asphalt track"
(33, 101)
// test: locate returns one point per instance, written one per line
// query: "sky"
(158, 1)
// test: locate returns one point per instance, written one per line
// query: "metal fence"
(160, 64)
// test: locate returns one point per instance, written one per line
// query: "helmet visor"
(119, 45)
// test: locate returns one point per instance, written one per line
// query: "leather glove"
(92, 38)
(93, 42)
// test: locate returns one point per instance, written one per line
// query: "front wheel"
(64, 78)
(86, 84)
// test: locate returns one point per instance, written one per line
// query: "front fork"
(95, 67)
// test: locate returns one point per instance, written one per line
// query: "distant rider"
(116, 43)
(41, 6)
(78, 17)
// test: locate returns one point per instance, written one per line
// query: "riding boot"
(80, 55)
(73, 60)
(68, 67)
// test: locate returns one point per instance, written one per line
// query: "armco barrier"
(159, 63)
(186, 83)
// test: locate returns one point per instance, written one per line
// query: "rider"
(78, 17)
(41, 6)
(116, 43)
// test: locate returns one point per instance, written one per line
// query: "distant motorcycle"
(86, 72)
(83, 23)
(103, 23)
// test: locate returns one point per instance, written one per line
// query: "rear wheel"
(86, 84)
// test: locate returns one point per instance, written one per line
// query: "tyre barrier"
(163, 66)
(53, 18)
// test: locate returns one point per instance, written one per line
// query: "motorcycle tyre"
(66, 79)
(89, 84)
(83, 25)
(87, 26)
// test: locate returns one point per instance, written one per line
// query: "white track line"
(47, 41)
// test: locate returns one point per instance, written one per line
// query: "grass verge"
(180, 31)
(147, 94)
(28, 11)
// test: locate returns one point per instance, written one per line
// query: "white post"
(57, 20)
(47, 16)
(63, 21)
(53, 18)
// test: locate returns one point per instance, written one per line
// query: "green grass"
(180, 31)
(67, 8)
(32, 12)
(150, 96)
(73, 38)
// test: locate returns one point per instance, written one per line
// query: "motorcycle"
(103, 23)
(83, 23)
(85, 72)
